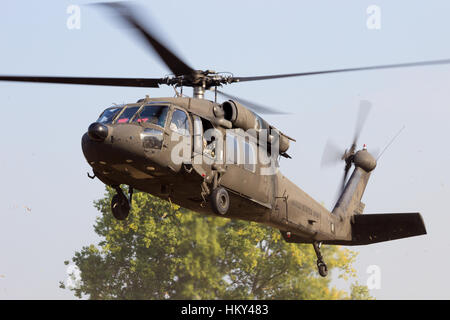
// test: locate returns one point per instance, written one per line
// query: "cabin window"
(232, 149)
(210, 144)
(152, 114)
(239, 151)
(108, 115)
(198, 135)
(180, 123)
(250, 157)
(127, 114)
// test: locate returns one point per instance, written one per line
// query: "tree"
(165, 252)
(359, 292)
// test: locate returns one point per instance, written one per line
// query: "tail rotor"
(332, 153)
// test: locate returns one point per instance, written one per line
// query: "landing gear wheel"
(120, 207)
(323, 269)
(220, 201)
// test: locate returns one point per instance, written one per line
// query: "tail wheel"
(323, 269)
(120, 207)
(220, 201)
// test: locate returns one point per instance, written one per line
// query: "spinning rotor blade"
(119, 82)
(331, 154)
(174, 63)
(344, 178)
(302, 74)
(363, 112)
(251, 105)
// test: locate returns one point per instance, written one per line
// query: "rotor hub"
(364, 160)
(199, 78)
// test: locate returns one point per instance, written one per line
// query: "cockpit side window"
(153, 114)
(180, 123)
(108, 115)
(127, 114)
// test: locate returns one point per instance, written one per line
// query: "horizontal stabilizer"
(373, 228)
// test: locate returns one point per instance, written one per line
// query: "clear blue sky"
(43, 168)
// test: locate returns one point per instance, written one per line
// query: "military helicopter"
(202, 155)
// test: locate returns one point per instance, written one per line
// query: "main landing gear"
(321, 266)
(120, 205)
(218, 197)
(220, 201)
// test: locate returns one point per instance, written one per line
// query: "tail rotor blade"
(344, 179)
(341, 187)
(363, 112)
(332, 154)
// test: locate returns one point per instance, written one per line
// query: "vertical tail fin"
(372, 228)
(349, 202)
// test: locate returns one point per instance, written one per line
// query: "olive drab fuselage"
(162, 146)
(123, 158)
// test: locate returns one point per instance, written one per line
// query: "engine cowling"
(239, 116)
(242, 117)
(284, 144)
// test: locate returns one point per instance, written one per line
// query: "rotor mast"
(199, 92)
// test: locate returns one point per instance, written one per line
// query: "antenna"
(390, 142)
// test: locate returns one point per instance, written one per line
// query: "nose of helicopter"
(106, 145)
(117, 155)
(97, 131)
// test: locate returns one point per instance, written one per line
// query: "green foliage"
(165, 252)
(359, 292)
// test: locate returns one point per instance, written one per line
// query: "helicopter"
(222, 159)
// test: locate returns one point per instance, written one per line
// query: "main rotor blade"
(251, 105)
(118, 82)
(174, 63)
(302, 74)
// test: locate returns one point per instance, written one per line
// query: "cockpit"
(155, 114)
(150, 113)
(109, 114)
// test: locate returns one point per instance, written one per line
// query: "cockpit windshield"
(153, 114)
(108, 115)
(127, 114)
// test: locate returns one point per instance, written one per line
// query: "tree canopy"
(163, 251)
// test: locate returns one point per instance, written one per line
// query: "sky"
(47, 208)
